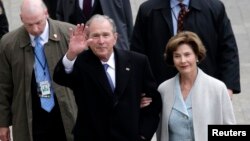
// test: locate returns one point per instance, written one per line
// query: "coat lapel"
(167, 92)
(94, 69)
(123, 71)
(166, 13)
(54, 33)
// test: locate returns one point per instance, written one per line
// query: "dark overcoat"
(119, 10)
(207, 18)
(17, 65)
(107, 116)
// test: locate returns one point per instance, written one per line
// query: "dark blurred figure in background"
(51, 5)
(79, 11)
(4, 25)
(158, 20)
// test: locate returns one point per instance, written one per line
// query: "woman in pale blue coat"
(192, 99)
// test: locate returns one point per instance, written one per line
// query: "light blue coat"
(211, 104)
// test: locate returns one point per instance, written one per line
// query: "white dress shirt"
(111, 68)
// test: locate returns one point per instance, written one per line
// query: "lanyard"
(40, 63)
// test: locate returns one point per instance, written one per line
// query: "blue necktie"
(108, 76)
(42, 74)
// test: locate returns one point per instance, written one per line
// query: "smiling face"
(184, 59)
(103, 38)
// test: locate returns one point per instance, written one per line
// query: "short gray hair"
(102, 17)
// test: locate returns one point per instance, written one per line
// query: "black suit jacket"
(207, 18)
(52, 6)
(107, 116)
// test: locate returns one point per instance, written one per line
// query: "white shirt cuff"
(68, 65)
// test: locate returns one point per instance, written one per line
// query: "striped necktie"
(183, 12)
(42, 74)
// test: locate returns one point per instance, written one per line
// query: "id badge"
(45, 89)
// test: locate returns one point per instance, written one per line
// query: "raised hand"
(78, 41)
